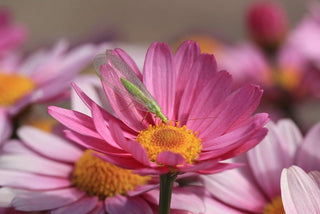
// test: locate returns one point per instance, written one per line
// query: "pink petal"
(203, 73)
(35, 164)
(268, 159)
(99, 209)
(130, 146)
(142, 189)
(49, 145)
(203, 165)
(315, 175)
(236, 140)
(308, 156)
(25, 180)
(92, 143)
(170, 159)
(126, 161)
(184, 59)
(46, 200)
(76, 121)
(236, 108)
(120, 204)
(88, 84)
(159, 77)
(127, 59)
(234, 188)
(300, 194)
(181, 200)
(89, 103)
(125, 106)
(291, 134)
(5, 126)
(100, 124)
(246, 146)
(209, 98)
(6, 196)
(220, 167)
(84, 205)
(16, 147)
(211, 205)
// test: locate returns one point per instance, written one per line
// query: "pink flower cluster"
(182, 125)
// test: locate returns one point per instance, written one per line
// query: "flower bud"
(267, 24)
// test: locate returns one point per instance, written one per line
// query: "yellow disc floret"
(13, 87)
(274, 207)
(166, 137)
(99, 178)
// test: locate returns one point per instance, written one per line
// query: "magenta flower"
(300, 191)
(11, 34)
(214, 123)
(46, 172)
(256, 188)
(43, 76)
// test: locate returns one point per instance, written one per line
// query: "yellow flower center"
(99, 178)
(13, 87)
(288, 79)
(274, 207)
(46, 125)
(166, 137)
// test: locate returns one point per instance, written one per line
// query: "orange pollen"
(166, 137)
(99, 178)
(13, 87)
(288, 79)
(274, 207)
(46, 125)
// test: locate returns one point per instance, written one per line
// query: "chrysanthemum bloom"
(11, 34)
(45, 172)
(207, 122)
(256, 188)
(42, 77)
(58, 176)
(300, 191)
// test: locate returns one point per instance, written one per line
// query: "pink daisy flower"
(63, 178)
(91, 85)
(41, 77)
(300, 191)
(188, 88)
(256, 188)
(35, 175)
(11, 34)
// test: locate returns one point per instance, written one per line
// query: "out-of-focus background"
(142, 21)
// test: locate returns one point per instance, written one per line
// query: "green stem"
(166, 184)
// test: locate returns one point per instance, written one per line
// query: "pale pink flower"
(300, 191)
(187, 86)
(11, 34)
(247, 64)
(43, 76)
(45, 172)
(300, 55)
(256, 187)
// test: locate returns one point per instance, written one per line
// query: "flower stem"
(166, 184)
